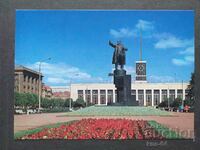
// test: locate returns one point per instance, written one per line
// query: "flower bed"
(99, 129)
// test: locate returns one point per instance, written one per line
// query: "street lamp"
(70, 101)
(39, 88)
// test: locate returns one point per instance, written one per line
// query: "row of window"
(27, 79)
(156, 93)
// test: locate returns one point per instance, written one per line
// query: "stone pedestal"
(123, 85)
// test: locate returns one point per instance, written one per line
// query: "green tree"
(79, 103)
(190, 95)
(176, 103)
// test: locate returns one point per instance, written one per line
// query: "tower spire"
(140, 44)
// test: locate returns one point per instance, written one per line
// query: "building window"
(148, 98)
(95, 96)
(186, 94)
(133, 92)
(110, 96)
(115, 95)
(180, 93)
(172, 95)
(164, 95)
(103, 96)
(80, 94)
(141, 97)
(88, 96)
(156, 97)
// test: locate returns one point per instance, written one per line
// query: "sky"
(77, 43)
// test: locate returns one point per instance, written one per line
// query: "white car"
(19, 111)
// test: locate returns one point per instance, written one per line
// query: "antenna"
(140, 44)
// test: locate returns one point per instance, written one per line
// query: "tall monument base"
(122, 83)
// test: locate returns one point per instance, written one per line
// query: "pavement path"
(180, 122)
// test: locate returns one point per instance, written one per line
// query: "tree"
(176, 103)
(190, 96)
(67, 101)
(163, 104)
(79, 103)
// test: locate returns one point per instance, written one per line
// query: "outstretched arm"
(126, 49)
(111, 44)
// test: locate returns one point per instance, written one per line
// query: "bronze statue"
(119, 56)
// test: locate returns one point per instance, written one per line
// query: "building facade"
(147, 94)
(61, 92)
(27, 80)
(47, 92)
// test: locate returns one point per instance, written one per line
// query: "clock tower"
(141, 71)
(140, 66)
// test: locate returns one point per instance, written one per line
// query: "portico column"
(84, 95)
(175, 93)
(136, 94)
(106, 96)
(114, 96)
(160, 91)
(168, 93)
(152, 96)
(145, 97)
(98, 97)
(183, 94)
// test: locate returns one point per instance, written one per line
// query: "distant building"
(61, 92)
(27, 80)
(147, 94)
(61, 95)
(47, 92)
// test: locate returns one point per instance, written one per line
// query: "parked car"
(19, 111)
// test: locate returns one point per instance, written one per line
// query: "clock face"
(141, 70)
(140, 67)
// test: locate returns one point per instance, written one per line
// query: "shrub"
(79, 103)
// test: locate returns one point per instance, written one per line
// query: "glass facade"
(88, 96)
(156, 97)
(180, 93)
(80, 94)
(110, 96)
(148, 98)
(164, 95)
(94, 96)
(141, 97)
(172, 95)
(102, 96)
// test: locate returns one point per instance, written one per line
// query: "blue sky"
(77, 42)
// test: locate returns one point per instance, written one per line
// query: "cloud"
(144, 25)
(188, 51)
(172, 42)
(121, 33)
(156, 78)
(62, 74)
(187, 60)
(57, 80)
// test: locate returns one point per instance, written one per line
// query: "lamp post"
(182, 96)
(39, 87)
(70, 101)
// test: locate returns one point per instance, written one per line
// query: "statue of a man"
(119, 56)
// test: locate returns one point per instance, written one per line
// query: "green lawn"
(118, 111)
(164, 131)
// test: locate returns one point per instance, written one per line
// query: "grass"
(32, 131)
(164, 131)
(118, 111)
